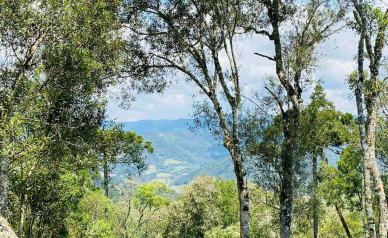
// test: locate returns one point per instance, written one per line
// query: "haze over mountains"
(179, 154)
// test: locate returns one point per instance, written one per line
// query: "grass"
(163, 175)
(171, 161)
(178, 168)
(151, 170)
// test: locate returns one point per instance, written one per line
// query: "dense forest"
(62, 61)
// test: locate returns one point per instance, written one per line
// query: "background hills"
(180, 154)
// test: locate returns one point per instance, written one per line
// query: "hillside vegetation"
(276, 151)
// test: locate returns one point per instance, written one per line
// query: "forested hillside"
(288, 128)
(180, 154)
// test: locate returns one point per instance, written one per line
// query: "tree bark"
(106, 178)
(232, 144)
(242, 185)
(21, 212)
(126, 219)
(343, 221)
(315, 196)
(31, 228)
(362, 128)
(363, 212)
(106, 181)
(240, 171)
(23, 198)
(243, 196)
(286, 193)
(375, 172)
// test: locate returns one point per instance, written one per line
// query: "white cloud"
(176, 102)
(341, 100)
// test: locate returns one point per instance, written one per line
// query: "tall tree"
(371, 25)
(116, 146)
(188, 37)
(321, 128)
(58, 57)
(296, 31)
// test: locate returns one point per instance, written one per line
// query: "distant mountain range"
(180, 155)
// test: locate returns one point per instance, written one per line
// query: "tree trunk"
(126, 219)
(315, 195)
(23, 198)
(362, 129)
(243, 196)
(31, 228)
(21, 212)
(4, 187)
(241, 173)
(375, 172)
(344, 224)
(232, 144)
(363, 212)
(286, 193)
(106, 181)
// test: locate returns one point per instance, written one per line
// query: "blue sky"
(177, 101)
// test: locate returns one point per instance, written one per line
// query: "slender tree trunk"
(106, 181)
(241, 174)
(232, 144)
(4, 187)
(366, 169)
(286, 193)
(21, 212)
(126, 219)
(31, 228)
(243, 195)
(362, 128)
(315, 195)
(343, 221)
(375, 172)
(242, 186)
(290, 128)
(23, 198)
(363, 212)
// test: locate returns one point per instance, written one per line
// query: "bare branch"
(276, 98)
(265, 56)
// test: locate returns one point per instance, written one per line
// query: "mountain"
(179, 154)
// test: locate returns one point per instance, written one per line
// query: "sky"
(177, 101)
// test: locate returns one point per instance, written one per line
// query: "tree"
(340, 186)
(149, 197)
(207, 207)
(116, 146)
(53, 81)
(371, 25)
(188, 37)
(322, 128)
(296, 32)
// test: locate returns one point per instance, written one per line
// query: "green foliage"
(206, 203)
(152, 195)
(343, 185)
(88, 220)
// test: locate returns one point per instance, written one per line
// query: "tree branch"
(265, 56)
(277, 99)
